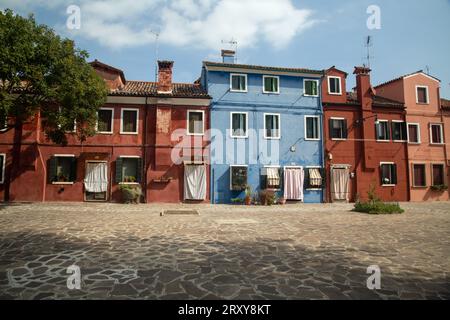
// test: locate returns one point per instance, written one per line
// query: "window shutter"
(119, 164)
(139, 170)
(394, 174)
(52, 163)
(331, 128)
(73, 170)
(381, 174)
(345, 129)
(306, 179)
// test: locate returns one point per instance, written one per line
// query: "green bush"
(237, 200)
(377, 207)
(131, 193)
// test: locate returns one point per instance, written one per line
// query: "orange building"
(424, 131)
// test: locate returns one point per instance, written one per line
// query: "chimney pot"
(164, 84)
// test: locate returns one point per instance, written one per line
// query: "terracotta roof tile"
(401, 77)
(145, 88)
(445, 103)
(377, 101)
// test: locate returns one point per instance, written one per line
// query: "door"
(194, 182)
(340, 177)
(96, 181)
(293, 183)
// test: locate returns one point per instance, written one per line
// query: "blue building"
(266, 130)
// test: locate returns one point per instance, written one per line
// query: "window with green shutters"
(128, 170)
(311, 88)
(62, 169)
(271, 84)
(2, 167)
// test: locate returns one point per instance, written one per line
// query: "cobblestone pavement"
(226, 252)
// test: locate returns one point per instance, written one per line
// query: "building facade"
(426, 129)
(148, 133)
(365, 141)
(266, 130)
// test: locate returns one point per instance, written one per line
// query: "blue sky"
(310, 34)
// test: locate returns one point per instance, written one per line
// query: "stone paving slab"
(301, 251)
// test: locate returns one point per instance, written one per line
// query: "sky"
(412, 35)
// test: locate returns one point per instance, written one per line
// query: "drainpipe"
(144, 151)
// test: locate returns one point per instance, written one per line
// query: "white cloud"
(193, 23)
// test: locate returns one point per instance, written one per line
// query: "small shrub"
(439, 187)
(237, 200)
(131, 193)
(267, 197)
(374, 205)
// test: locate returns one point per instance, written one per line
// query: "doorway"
(96, 181)
(340, 180)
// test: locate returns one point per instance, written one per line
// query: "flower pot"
(248, 201)
(282, 201)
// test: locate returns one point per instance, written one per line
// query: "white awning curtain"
(339, 183)
(273, 176)
(315, 178)
(293, 183)
(96, 177)
(194, 182)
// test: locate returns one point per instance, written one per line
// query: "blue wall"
(292, 107)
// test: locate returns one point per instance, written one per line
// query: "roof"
(336, 69)
(377, 101)
(404, 76)
(145, 88)
(261, 68)
(445, 103)
(98, 64)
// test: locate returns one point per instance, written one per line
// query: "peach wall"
(393, 90)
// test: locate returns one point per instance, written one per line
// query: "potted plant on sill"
(439, 187)
(248, 195)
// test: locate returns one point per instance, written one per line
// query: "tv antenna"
(428, 69)
(232, 42)
(368, 44)
(156, 34)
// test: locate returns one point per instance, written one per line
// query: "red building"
(365, 140)
(151, 134)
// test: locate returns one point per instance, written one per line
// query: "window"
(313, 178)
(3, 121)
(129, 123)
(195, 122)
(2, 167)
(419, 175)
(382, 130)
(238, 82)
(436, 136)
(239, 124)
(437, 174)
(271, 126)
(271, 178)
(413, 133)
(62, 169)
(105, 120)
(312, 128)
(128, 169)
(399, 131)
(338, 128)
(311, 88)
(271, 84)
(422, 94)
(334, 85)
(238, 177)
(388, 174)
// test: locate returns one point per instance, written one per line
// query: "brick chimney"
(228, 56)
(365, 94)
(165, 76)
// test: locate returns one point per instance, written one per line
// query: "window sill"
(195, 134)
(272, 138)
(265, 92)
(307, 95)
(383, 140)
(104, 132)
(62, 183)
(335, 93)
(309, 139)
(419, 187)
(314, 189)
(134, 133)
(417, 143)
(131, 183)
(399, 141)
(239, 91)
(239, 137)
(437, 144)
(338, 139)
(388, 185)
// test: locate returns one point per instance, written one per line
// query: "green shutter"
(139, 170)
(119, 165)
(330, 123)
(394, 174)
(345, 129)
(52, 167)
(73, 170)
(314, 87)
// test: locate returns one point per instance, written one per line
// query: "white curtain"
(293, 183)
(96, 178)
(339, 183)
(194, 182)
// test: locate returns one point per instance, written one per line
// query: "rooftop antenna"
(156, 34)
(234, 43)
(368, 45)
(428, 69)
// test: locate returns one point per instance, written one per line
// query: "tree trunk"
(13, 169)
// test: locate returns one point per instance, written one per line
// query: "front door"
(96, 181)
(293, 183)
(194, 182)
(340, 177)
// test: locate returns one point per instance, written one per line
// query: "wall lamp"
(358, 122)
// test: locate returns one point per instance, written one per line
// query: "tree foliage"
(42, 72)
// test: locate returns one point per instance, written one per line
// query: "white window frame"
(231, 174)
(392, 132)
(112, 122)
(129, 157)
(60, 155)
(121, 120)
(428, 94)
(240, 75)
(390, 184)
(376, 131)
(442, 133)
(442, 164)
(279, 125)
(279, 171)
(264, 81)
(329, 87)
(3, 167)
(417, 125)
(231, 125)
(412, 175)
(203, 123)
(304, 88)
(338, 139)
(318, 127)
